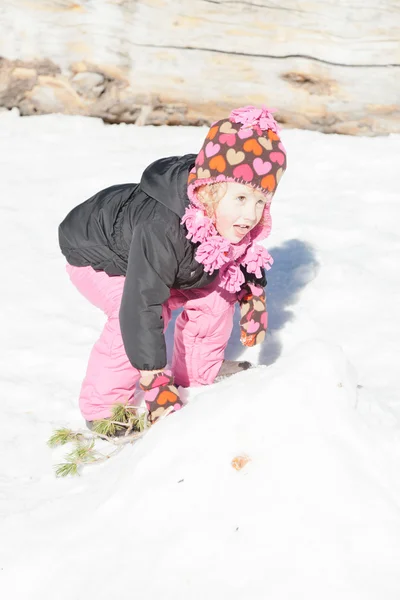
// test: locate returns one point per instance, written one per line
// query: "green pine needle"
(65, 469)
(82, 453)
(106, 427)
(123, 413)
(120, 413)
(141, 423)
(63, 436)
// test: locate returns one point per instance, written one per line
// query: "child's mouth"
(242, 229)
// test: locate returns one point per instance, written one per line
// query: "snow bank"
(315, 512)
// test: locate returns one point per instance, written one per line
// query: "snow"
(316, 512)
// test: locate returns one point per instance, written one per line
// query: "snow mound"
(172, 513)
(315, 512)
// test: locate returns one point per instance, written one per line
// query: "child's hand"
(160, 393)
(254, 316)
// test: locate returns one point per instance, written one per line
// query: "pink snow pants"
(201, 335)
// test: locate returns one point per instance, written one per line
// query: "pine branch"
(122, 412)
(117, 441)
(65, 469)
(103, 457)
(83, 453)
(129, 415)
(107, 427)
(123, 417)
(63, 436)
(143, 422)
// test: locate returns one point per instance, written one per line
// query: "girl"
(185, 236)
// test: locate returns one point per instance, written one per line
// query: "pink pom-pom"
(251, 116)
(198, 225)
(213, 253)
(232, 278)
(257, 257)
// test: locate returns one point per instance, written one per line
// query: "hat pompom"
(251, 116)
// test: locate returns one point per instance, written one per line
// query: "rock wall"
(324, 64)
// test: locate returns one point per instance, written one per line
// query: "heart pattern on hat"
(245, 133)
(203, 173)
(228, 138)
(218, 163)
(268, 183)
(266, 143)
(245, 148)
(261, 167)
(253, 146)
(226, 127)
(278, 157)
(200, 158)
(212, 133)
(244, 172)
(212, 149)
(234, 158)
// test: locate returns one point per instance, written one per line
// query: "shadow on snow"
(295, 266)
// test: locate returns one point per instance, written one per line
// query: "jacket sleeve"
(151, 272)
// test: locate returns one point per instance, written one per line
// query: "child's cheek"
(222, 225)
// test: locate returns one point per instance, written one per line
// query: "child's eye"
(241, 198)
(261, 202)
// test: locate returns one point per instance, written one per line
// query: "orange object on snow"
(240, 461)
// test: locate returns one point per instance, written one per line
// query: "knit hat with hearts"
(244, 148)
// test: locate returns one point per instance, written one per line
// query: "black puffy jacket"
(134, 230)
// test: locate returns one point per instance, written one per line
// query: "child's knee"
(198, 373)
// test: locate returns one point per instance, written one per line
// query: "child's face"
(239, 211)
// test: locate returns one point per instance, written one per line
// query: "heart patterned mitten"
(253, 313)
(160, 393)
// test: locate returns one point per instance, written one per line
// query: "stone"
(14, 83)
(78, 67)
(24, 73)
(88, 84)
(54, 95)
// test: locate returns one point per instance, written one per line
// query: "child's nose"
(250, 211)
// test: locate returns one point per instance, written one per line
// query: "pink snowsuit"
(201, 335)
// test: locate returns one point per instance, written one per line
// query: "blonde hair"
(210, 194)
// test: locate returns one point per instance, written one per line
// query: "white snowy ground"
(316, 513)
